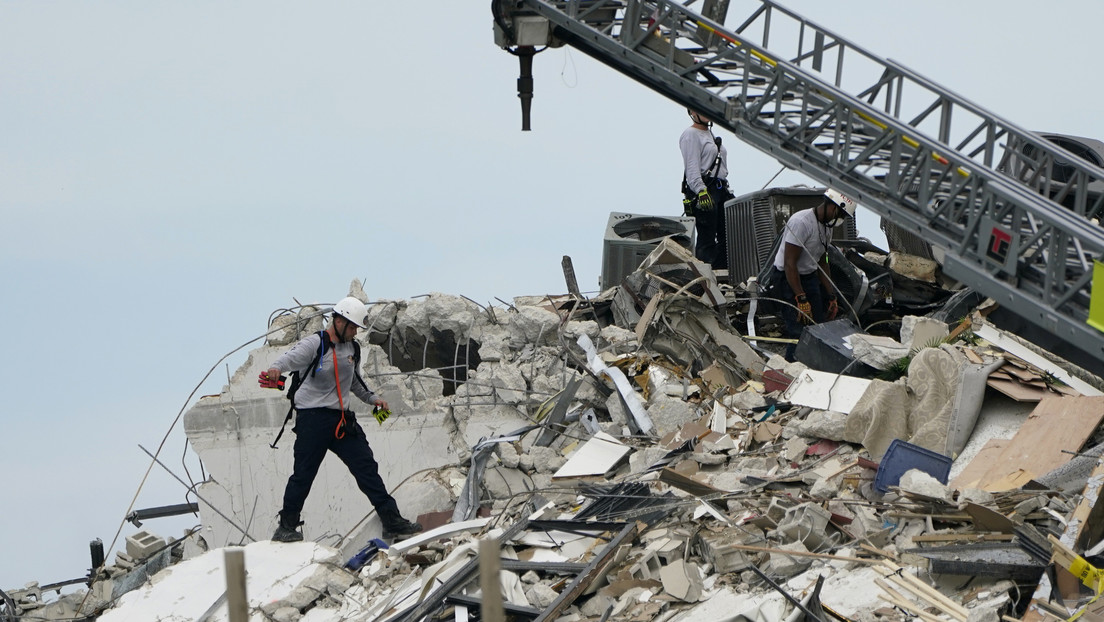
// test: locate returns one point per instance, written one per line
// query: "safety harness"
(298, 377)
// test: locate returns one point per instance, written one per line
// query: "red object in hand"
(268, 383)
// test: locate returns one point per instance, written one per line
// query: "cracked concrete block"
(291, 327)
(508, 382)
(541, 596)
(544, 369)
(794, 449)
(919, 482)
(824, 488)
(503, 483)
(142, 544)
(745, 400)
(617, 411)
(286, 614)
(439, 311)
(381, 318)
(403, 392)
(618, 340)
(643, 459)
(730, 481)
(596, 605)
(827, 424)
(876, 351)
(1031, 504)
(647, 566)
(494, 346)
(668, 549)
(984, 614)
(682, 580)
(913, 267)
(669, 414)
(718, 549)
(974, 495)
(508, 454)
(805, 523)
(546, 459)
(784, 565)
(535, 325)
(920, 332)
(574, 328)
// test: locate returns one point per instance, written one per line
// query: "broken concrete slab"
(825, 391)
(186, 590)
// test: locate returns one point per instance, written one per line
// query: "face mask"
(835, 222)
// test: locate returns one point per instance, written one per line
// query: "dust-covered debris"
(637, 458)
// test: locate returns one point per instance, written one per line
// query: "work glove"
(268, 382)
(804, 309)
(381, 414)
(705, 202)
(833, 308)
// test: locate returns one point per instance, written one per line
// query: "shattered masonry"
(636, 458)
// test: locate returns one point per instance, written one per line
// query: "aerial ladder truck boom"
(1012, 212)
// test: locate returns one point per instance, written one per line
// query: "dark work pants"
(711, 244)
(814, 292)
(314, 436)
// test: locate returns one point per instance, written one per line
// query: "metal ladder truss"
(904, 147)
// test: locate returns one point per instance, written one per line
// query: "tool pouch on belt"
(689, 199)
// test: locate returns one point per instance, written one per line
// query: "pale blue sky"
(172, 172)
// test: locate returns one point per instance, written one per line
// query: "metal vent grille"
(753, 222)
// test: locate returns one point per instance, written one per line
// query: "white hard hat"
(843, 201)
(353, 310)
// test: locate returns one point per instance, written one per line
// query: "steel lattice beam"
(904, 147)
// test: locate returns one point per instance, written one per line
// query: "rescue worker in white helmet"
(324, 422)
(801, 270)
(705, 188)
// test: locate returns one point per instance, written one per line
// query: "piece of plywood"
(1058, 424)
(1016, 390)
(980, 464)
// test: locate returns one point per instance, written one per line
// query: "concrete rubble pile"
(638, 457)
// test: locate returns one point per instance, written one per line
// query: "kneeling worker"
(801, 264)
(324, 423)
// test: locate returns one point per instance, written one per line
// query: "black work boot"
(287, 531)
(394, 525)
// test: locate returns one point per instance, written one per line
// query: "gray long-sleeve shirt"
(699, 151)
(318, 391)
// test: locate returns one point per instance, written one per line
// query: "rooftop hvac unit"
(753, 222)
(631, 237)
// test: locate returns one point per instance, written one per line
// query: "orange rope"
(339, 431)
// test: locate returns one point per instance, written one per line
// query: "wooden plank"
(1016, 390)
(974, 357)
(980, 464)
(237, 601)
(965, 537)
(1057, 423)
(490, 581)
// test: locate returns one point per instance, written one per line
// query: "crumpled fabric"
(935, 406)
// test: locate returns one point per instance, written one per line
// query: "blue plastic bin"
(901, 457)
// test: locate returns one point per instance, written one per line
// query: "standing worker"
(705, 188)
(323, 421)
(801, 264)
